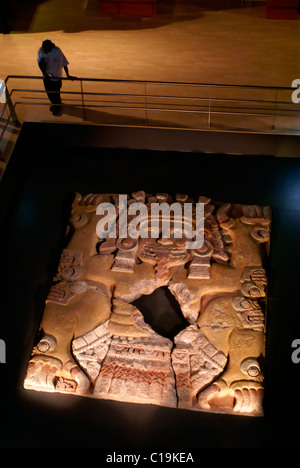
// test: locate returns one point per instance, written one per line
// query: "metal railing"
(153, 103)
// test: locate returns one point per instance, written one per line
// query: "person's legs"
(52, 88)
(56, 97)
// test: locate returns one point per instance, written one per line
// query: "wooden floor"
(188, 41)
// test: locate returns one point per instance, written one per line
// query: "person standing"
(52, 61)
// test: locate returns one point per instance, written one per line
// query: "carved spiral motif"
(72, 272)
(47, 343)
(79, 219)
(250, 289)
(250, 367)
(260, 233)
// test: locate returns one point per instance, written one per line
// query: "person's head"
(47, 46)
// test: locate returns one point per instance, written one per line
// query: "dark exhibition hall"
(150, 226)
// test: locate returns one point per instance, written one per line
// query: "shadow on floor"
(99, 116)
(141, 118)
(115, 117)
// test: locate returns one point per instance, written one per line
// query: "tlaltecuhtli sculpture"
(94, 342)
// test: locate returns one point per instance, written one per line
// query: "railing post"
(82, 100)
(274, 115)
(11, 107)
(145, 103)
(209, 108)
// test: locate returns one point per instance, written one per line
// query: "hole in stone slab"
(162, 312)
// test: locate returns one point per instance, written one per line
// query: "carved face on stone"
(254, 282)
(172, 249)
(163, 253)
(249, 312)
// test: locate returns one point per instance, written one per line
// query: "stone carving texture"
(93, 342)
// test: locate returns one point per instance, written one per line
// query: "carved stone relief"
(94, 342)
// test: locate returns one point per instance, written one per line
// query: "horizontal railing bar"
(179, 110)
(111, 80)
(89, 104)
(287, 113)
(166, 110)
(154, 96)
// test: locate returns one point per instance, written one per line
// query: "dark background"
(46, 169)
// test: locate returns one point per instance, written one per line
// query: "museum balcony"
(188, 65)
(189, 106)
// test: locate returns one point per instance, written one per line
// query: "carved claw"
(78, 382)
(208, 394)
(254, 214)
(248, 398)
(223, 217)
(41, 373)
(89, 201)
(244, 397)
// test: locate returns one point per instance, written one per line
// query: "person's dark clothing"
(52, 88)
